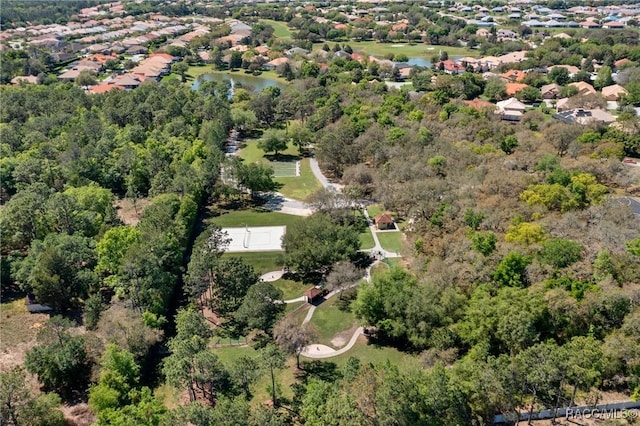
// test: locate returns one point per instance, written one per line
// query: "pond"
(247, 81)
(426, 62)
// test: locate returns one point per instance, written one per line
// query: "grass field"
(390, 241)
(284, 169)
(366, 240)
(300, 187)
(369, 353)
(236, 218)
(262, 262)
(296, 187)
(280, 28)
(419, 49)
(196, 71)
(374, 210)
(290, 289)
(329, 320)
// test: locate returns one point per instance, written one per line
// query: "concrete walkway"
(279, 203)
(318, 351)
(272, 276)
(377, 251)
(323, 351)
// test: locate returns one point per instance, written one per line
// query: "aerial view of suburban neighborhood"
(322, 213)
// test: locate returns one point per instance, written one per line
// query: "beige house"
(614, 92)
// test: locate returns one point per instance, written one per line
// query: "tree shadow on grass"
(323, 370)
(283, 158)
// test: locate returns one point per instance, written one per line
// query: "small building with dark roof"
(312, 294)
(384, 221)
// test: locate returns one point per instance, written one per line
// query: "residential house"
(550, 91)
(127, 81)
(613, 25)
(589, 24)
(450, 67)
(102, 88)
(275, 63)
(296, 51)
(573, 70)
(583, 88)
(621, 62)
(513, 88)
(614, 92)
(514, 75)
(511, 109)
(582, 116)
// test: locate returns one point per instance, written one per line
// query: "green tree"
(59, 270)
(18, 406)
(60, 360)
(495, 89)
(509, 144)
(233, 278)
(113, 246)
(119, 375)
(272, 359)
(271, 142)
(260, 307)
(511, 271)
(484, 242)
(559, 75)
(316, 243)
(560, 253)
(181, 69)
(603, 78)
(255, 177)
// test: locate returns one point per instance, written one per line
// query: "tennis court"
(286, 169)
(255, 238)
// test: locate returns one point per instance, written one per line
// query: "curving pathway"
(318, 351)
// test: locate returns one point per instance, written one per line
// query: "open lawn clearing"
(285, 168)
(280, 29)
(366, 240)
(299, 315)
(18, 332)
(252, 217)
(384, 266)
(328, 321)
(293, 306)
(391, 241)
(300, 187)
(261, 394)
(262, 262)
(296, 187)
(129, 211)
(381, 49)
(376, 354)
(374, 210)
(290, 289)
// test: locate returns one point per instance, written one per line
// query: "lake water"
(426, 62)
(247, 81)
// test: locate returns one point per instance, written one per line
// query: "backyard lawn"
(328, 320)
(390, 241)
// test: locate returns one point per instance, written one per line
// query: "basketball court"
(255, 238)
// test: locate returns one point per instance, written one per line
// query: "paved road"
(278, 202)
(315, 168)
(631, 202)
